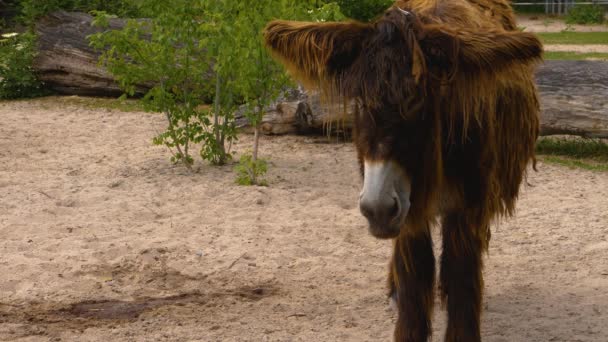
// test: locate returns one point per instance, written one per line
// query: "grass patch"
(122, 105)
(575, 56)
(569, 37)
(129, 105)
(92, 103)
(589, 154)
(576, 163)
(573, 147)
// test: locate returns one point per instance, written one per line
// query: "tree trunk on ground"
(574, 100)
(65, 61)
(300, 112)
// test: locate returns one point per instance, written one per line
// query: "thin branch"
(236, 260)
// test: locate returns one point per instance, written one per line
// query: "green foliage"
(585, 14)
(260, 79)
(575, 56)
(330, 11)
(246, 64)
(8, 10)
(249, 171)
(172, 52)
(33, 9)
(17, 78)
(192, 51)
(96, 103)
(588, 154)
(363, 10)
(575, 148)
(529, 9)
(570, 37)
(576, 163)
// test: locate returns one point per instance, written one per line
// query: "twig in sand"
(153, 211)
(297, 315)
(45, 194)
(236, 260)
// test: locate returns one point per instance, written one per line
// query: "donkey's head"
(390, 68)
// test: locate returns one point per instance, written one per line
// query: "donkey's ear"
(316, 53)
(491, 50)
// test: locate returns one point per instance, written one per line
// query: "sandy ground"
(577, 48)
(542, 23)
(103, 239)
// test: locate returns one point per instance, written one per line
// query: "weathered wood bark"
(65, 61)
(574, 100)
(300, 112)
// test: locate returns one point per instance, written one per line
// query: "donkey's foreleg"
(392, 289)
(461, 278)
(413, 277)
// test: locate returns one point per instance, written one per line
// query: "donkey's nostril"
(367, 209)
(381, 211)
(396, 208)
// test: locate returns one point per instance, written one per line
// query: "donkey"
(446, 122)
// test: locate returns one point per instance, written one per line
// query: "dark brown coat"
(446, 90)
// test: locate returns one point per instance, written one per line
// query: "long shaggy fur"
(445, 89)
(314, 53)
(461, 64)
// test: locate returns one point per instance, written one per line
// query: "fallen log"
(573, 93)
(574, 101)
(574, 98)
(66, 63)
(300, 112)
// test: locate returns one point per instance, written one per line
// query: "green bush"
(585, 14)
(248, 171)
(17, 78)
(8, 10)
(33, 9)
(363, 10)
(529, 9)
(171, 53)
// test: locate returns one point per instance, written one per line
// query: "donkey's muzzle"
(382, 214)
(384, 200)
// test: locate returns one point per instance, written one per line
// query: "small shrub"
(585, 14)
(249, 171)
(363, 10)
(17, 78)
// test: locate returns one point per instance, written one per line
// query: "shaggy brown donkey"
(446, 124)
